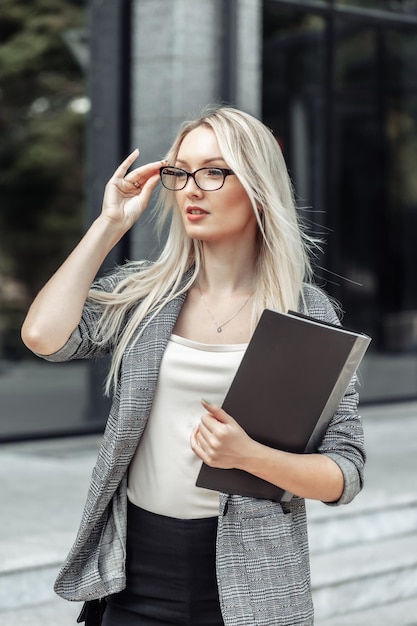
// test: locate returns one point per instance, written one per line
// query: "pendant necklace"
(219, 327)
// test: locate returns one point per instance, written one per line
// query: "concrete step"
(357, 578)
(396, 614)
(363, 557)
(363, 521)
(53, 612)
(350, 578)
(62, 613)
(28, 569)
(43, 487)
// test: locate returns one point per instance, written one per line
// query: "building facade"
(336, 81)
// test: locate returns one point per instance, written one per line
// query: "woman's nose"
(192, 188)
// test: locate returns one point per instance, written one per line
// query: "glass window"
(43, 107)
(356, 171)
(400, 132)
(376, 146)
(317, 3)
(341, 95)
(293, 83)
(398, 6)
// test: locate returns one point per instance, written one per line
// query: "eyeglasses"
(206, 178)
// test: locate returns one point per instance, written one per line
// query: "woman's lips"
(195, 213)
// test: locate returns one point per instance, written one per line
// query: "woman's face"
(212, 216)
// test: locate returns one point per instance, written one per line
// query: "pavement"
(44, 484)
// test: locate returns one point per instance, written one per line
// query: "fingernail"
(206, 401)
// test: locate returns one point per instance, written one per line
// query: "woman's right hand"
(127, 194)
(57, 308)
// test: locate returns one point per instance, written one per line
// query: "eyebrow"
(204, 161)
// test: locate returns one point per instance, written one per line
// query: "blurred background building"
(82, 83)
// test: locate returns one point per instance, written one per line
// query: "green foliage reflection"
(42, 126)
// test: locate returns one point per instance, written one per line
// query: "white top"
(164, 469)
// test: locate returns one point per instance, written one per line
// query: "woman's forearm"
(313, 476)
(57, 309)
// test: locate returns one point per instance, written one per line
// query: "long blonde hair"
(283, 264)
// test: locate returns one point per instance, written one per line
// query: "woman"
(159, 549)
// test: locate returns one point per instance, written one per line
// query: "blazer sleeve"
(343, 441)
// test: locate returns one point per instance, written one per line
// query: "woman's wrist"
(108, 231)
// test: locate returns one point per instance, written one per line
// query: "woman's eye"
(176, 173)
(213, 172)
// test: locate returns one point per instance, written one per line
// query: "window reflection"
(401, 136)
(341, 96)
(43, 113)
(293, 78)
(402, 6)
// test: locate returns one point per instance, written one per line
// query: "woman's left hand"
(219, 441)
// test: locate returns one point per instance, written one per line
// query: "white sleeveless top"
(164, 469)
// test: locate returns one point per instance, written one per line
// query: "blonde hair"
(283, 264)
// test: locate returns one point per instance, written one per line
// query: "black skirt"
(171, 575)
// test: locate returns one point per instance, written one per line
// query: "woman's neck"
(227, 271)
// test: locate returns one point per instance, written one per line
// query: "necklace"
(219, 327)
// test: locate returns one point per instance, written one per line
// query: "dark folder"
(288, 386)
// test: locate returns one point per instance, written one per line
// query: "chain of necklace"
(219, 327)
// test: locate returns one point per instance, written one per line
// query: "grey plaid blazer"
(262, 548)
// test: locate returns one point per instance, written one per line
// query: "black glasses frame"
(224, 170)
